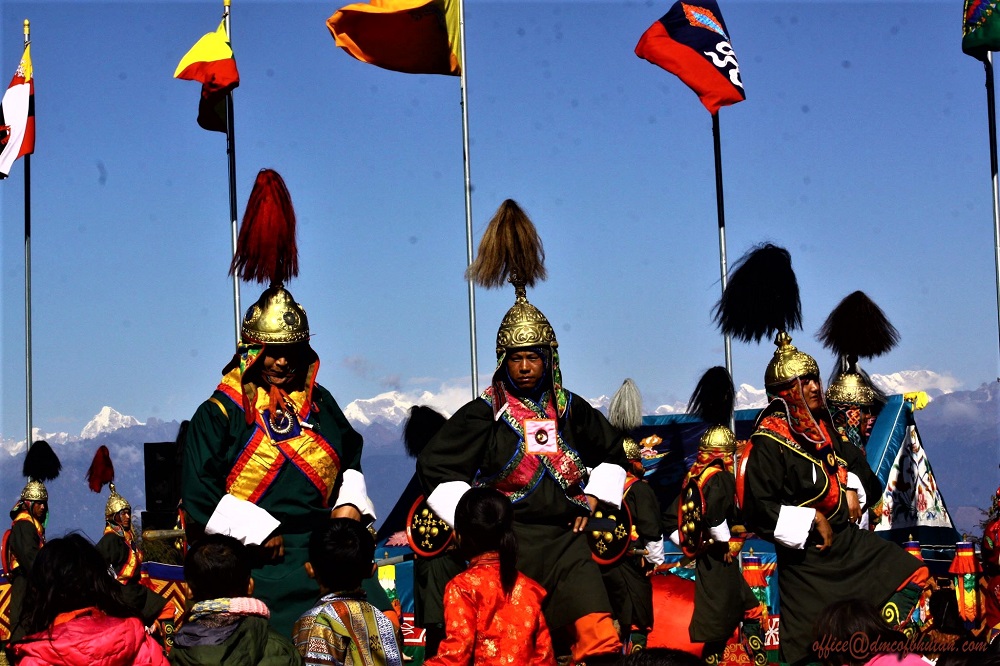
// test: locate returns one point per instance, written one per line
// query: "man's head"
(123, 518)
(525, 367)
(284, 365)
(216, 567)
(341, 555)
(38, 510)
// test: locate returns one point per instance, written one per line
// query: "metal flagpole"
(27, 275)
(721, 209)
(468, 202)
(231, 153)
(991, 111)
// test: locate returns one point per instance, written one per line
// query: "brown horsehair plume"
(713, 397)
(266, 251)
(510, 248)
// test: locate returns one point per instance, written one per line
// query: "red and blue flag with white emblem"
(692, 42)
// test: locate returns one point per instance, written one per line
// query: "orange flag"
(411, 36)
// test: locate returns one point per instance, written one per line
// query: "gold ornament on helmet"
(115, 504)
(712, 401)
(511, 251)
(34, 491)
(267, 253)
(524, 325)
(632, 449)
(851, 388)
(275, 319)
(788, 363)
(857, 328)
(718, 439)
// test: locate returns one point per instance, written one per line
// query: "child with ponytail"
(492, 613)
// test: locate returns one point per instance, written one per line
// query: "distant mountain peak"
(108, 420)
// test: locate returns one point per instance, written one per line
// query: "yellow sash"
(267, 452)
(134, 557)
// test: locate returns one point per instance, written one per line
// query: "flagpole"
(721, 211)
(468, 202)
(991, 112)
(27, 276)
(233, 206)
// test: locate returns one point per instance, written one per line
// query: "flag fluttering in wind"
(411, 36)
(980, 27)
(692, 42)
(210, 62)
(17, 115)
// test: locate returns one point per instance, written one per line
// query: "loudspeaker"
(163, 488)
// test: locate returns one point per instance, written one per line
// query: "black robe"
(630, 590)
(471, 444)
(858, 564)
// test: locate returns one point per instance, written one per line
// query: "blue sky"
(861, 148)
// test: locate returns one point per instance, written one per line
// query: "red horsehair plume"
(266, 251)
(101, 471)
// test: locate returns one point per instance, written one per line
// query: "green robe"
(858, 564)
(471, 445)
(630, 590)
(214, 441)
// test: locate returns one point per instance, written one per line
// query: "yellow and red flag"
(211, 62)
(410, 36)
(17, 115)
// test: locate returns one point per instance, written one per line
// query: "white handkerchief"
(241, 520)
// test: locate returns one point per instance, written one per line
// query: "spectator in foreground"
(74, 613)
(492, 613)
(842, 622)
(226, 626)
(344, 628)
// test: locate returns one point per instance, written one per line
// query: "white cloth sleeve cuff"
(354, 491)
(445, 498)
(855, 483)
(607, 483)
(675, 538)
(720, 532)
(654, 552)
(794, 523)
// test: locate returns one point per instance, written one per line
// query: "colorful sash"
(266, 452)
(523, 471)
(775, 426)
(131, 566)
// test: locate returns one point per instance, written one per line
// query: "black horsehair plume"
(625, 410)
(510, 247)
(713, 397)
(858, 328)
(761, 297)
(41, 463)
(422, 424)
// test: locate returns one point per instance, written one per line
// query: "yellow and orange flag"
(411, 36)
(210, 61)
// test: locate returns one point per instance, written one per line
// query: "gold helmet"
(524, 325)
(115, 504)
(275, 319)
(34, 491)
(718, 439)
(788, 363)
(851, 388)
(632, 449)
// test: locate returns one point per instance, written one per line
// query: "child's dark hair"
(217, 567)
(843, 619)
(341, 554)
(69, 574)
(484, 521)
